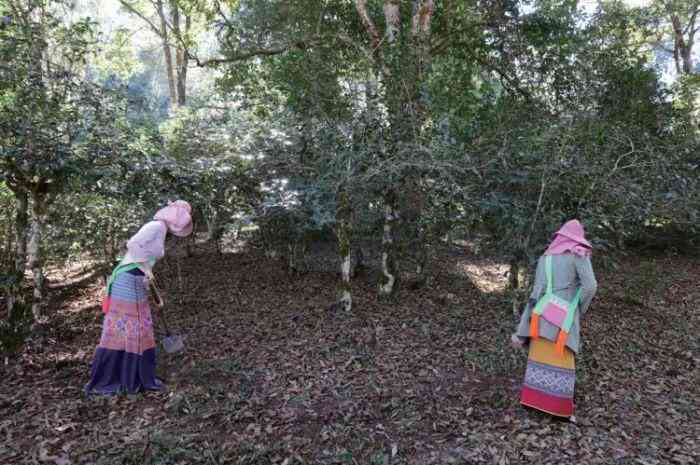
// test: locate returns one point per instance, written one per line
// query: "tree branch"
(693, 17)
(445, 40)
(690, 28)
(143, 17)
(663, 47)
(505, 76)
(242, 56)
(361, 6)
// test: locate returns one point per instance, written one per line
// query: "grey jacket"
(569, 272)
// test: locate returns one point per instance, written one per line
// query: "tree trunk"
(518, 282)
(215, 231)
(192, 241)
(687, 60)
(110, 245)
(36, 230)
(682, 50)
(167, 54)
(344, 231)
(21, 226)
(214, 226)
(296, 252)
(421, 259)
(402, 99)
(182, 79)
(392, 16)
(414, 236)
(359, 260)
(514, 283)
(423, 11)
(390, 277)
(19, 257)
(8, 254)
(180, 55)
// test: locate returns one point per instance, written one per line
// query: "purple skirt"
(125, 360)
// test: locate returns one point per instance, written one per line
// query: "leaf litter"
(271, 375)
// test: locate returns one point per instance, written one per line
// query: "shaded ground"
(271, 376)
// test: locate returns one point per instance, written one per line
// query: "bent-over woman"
(125, 360)
(563, 290)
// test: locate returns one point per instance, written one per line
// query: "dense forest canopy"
(385, 127)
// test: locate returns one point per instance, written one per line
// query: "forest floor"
(271, 375)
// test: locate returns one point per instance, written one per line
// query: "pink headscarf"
(570, 238)
(177, 216)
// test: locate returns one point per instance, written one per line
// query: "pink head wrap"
(570, 238)
(177, 216)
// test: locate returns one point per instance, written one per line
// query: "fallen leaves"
(271, 377)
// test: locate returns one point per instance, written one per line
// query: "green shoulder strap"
(571, 311)
(121, 268)
(573, 305)
(539, 307)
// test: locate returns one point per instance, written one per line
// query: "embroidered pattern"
(128, 325)
(556, 381)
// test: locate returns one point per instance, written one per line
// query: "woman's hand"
(517, 342)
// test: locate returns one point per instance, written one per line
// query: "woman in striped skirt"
(125, 360)
(563, 290)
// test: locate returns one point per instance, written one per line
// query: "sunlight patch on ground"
(70, 357)
(67, 274)
(488, 277)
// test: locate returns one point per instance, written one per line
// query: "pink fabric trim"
(559, 406)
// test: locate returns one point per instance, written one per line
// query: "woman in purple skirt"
(125, 360)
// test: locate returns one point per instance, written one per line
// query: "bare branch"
(242, 56)
(505, 76)
(142, 16)
(543, 185)
(361, 6)
(693, 17)
(659, 45)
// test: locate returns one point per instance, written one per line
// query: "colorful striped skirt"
(125, 360)
(549, 379)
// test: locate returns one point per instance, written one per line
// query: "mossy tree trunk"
(390, 277)
(39, 210)
(344, 233)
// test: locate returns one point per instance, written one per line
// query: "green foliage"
(117, 58)
(506, 122)
(53, 123)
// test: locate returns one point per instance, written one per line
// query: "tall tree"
(682, 17)
(389, 47)
(50, 119)
(171, 22)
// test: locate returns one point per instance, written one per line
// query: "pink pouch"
(105, 304)
(554, 314)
